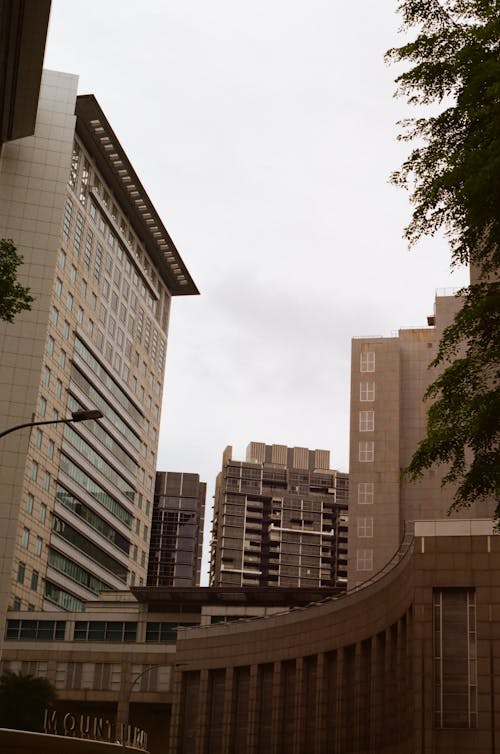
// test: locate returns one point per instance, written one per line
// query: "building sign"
(95, 728)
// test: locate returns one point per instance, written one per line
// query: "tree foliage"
(14, 297)
(23, 700)
(453, 174)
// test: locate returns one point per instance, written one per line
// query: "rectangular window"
(25, 538)
(68, 211)
(43, 513)
(364, 560)
(88, 249)
(455, 658)
(366, 451)
(50, 345)
(366, 421)
(365, 493)
(34, 471)
(30, 501)
(34, 581)
(38, 438)
(77, 241)
(21, 570)
(38, 546)
(365, 527)
(366, 391)
(367, 361)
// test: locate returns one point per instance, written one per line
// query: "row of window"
(123, 631)
(21, 576)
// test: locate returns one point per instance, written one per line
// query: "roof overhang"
(102, 143)
(23, 32)
(159, 598)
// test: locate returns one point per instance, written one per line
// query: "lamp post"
(127, 708)
(76, 416)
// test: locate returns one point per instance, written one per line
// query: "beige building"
(389, 377)
(280, 519)
(76, 499)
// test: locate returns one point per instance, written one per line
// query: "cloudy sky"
(265, 134)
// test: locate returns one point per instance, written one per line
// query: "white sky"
(264, 133)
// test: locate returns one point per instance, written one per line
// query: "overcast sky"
(265, 134)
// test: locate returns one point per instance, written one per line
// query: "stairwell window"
(366, 391)
(364, 560)
(367, 361)
(366, 421)
(366, 451)
(365, 493)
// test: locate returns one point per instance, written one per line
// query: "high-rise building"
(280, 519)
(76, 499)
(175, 549)
(389, 377)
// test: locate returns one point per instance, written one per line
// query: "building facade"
(408, 662)
(176, 545)
(76, 500)
(389, 377)
(280, 519)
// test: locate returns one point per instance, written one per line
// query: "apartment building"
(389, 377)
(76, 500)
(280, 519)
(175, 549)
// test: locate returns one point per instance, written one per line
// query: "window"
(83, 287)
(364, 560)
(365, 527)
(38, 438)
(68, 211)
(50, 345)
(38, 546)
(43, 513)
(58, 287)
(50, 449)
(365, 493)
(34, 471)
(34, 580)
(46, 481)
(72, 273)
(455, 658)
(54, 316)
(21, 570)
(35, 629)
(367, 361)
(366, 391)
(58, 388)
(104, 631)
(366, 451)
(69, 301)
(66, 329)
(30, 501)
(25, 538)
(79, 315)
(77, 241)
(366, 421)
(61, 260)
(62, 359)
(16, 605)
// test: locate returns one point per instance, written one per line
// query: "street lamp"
(76, 416)
(125, 731)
